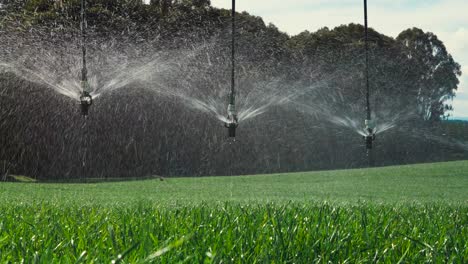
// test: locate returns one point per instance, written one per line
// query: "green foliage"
(416, 62)
(39, 5)
(295, 233)
(413, 214)
(419, 61)
(408, 184)
(403, 78)
(437, 72)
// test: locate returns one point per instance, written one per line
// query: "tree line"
(135, 132)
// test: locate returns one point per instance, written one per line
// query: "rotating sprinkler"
(232, 121)
(370, 134)
(86, 100)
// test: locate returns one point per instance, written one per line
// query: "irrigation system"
(232, 121)
(369, 124)
(86, 100)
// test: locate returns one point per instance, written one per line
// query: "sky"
(447, 19)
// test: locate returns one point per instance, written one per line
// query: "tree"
(138, 132)
(437, 72)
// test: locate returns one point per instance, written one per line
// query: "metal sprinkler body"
(232, 121)
(370, 131)
(86, 100)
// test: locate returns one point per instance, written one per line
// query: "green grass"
(424, 183)
(406, 214)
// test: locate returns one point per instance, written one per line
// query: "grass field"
(407, 214)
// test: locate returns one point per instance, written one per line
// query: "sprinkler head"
(370, 137)
(231, 126)
(232, 122)
(86, 100)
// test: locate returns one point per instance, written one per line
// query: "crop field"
(405, 214)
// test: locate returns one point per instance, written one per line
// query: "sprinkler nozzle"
(370, 137)
(369, 141)
(232, 121)
(231, 126)
(86, 100)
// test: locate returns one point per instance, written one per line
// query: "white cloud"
(388, 15)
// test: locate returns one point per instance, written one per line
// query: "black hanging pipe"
(368, 110)
(86, 100)
(232, 121)
(370, 133)
(233, 53)
(84, 71)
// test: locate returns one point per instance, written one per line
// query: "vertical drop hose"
(233, 54)
(368, 109)
(84, 71)
(86, 100)
(232, 121)
(370, 137)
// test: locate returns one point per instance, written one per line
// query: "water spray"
(232, 121)
(369, 125)
(86, 100)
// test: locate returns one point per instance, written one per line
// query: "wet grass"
(409, 214)
(424, 183)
